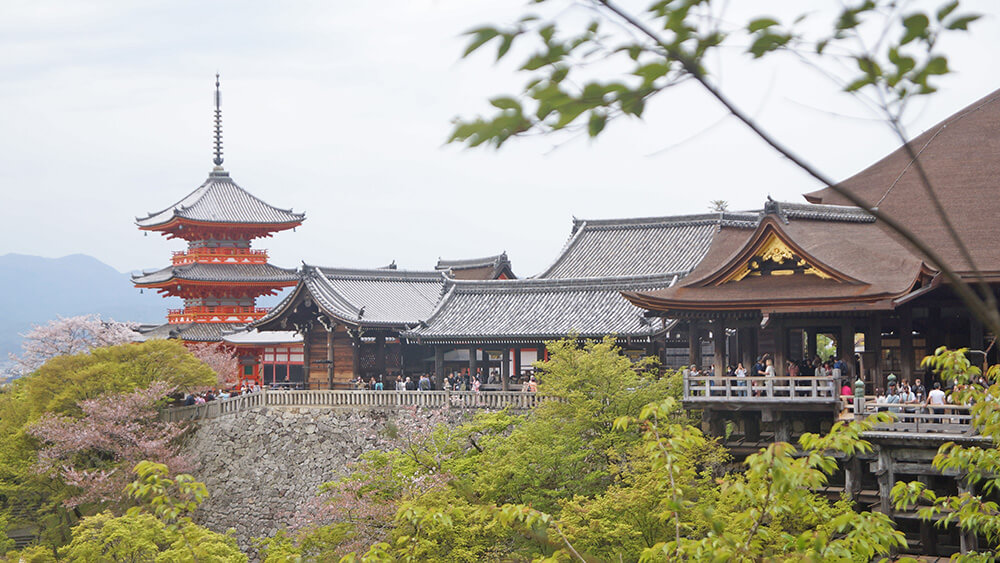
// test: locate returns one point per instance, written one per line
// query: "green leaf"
(594, 128)
(480, 37)
(943, 11)
(508, 40)
(915, 27)
(761, 23)
(962, 22)
(505, 103)
(937, 65)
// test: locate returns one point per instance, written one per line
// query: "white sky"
(341, 109)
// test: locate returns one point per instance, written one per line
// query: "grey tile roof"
(217, 273)
(651, 245)
(192, 332)
(378, 297)
(531, 310)
(472, 262)
(220, 200)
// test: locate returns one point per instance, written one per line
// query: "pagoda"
(219, 276)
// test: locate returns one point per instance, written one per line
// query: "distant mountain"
(34, 290)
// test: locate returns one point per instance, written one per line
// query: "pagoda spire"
(218, 124)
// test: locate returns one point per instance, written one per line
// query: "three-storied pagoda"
(219, 275)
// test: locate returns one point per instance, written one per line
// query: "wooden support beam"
(780, 347)
(474, 364)
(505, 369)
(329, 358)
(439, 367)
(719, 345)
(907, 359)
(355, 357)
(306, 358)
(873, 342)
(380, 355)
(517, 361)
(886, 479)
(751, 427)
(694, 344)
(845, 348)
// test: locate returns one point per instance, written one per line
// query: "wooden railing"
(338, 398)
(916, 418)
(749, 389)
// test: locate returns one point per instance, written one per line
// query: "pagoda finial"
(218, 123)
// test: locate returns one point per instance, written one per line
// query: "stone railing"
(338, 398)
(706, 388)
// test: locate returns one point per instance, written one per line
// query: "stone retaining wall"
(264, 464)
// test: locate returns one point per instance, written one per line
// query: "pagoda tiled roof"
(233, 273)
(192, 332)
(366, 297)
(534, 310)
(221, 200)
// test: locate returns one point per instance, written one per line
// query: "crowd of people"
(220, 393)
(454, 381)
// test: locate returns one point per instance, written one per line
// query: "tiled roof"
(220, 200)
(192, 332)
(255, 337)
(217, 273)
(530, 310)
(377, 297)
(959, 156)
(656, 245)
(485, 268)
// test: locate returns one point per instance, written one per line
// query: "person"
(409, 385)
(740, 373)
(400, 384)
(189, 400)
(841, 366)
(532, 385)
(379, 386)
(893, 398)
(846, 396)
(223, 394)
(919, 390)
(424, 384)
(769, 373)
(936, 398)
(199, 400)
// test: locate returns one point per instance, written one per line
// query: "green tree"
(57, 388)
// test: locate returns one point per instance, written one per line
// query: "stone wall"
(264, 464)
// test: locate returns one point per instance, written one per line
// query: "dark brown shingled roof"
(868, 269)
(961, 155)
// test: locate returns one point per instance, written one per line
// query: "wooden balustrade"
(707, 388)
(917, 418)
(353, 398)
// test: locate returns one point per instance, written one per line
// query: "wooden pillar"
(694, 344)
(439, 367)
(874, 338)
(845, 348)
(886, 479)
(780, 347)
(928, 535)
(474, 363)
(975, 337)
(380, 355)
(329, 358)
(852, 477)
(810, 343)
(505, 370)
(782, 427)
(306, 347)
(356, 357)
(751, 426)
(907, 360)
(517, 361)
(719, 343)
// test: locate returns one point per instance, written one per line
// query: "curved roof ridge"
(257, 212)
(378, 273)
(471, 262)
(568, 284)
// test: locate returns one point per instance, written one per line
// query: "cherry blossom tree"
(222, 359)
(95, 452)
(69, 335)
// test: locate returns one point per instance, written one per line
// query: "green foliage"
(144, 537)
(30, 554)
(56, 388)
(893, 53)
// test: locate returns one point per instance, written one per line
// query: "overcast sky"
(341, 109)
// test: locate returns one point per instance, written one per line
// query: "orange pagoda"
(219, 276)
